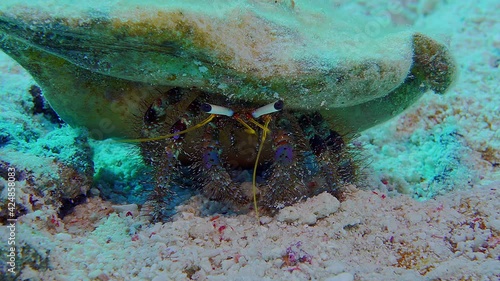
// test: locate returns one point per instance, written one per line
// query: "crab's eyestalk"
(216, 109)
(267, 109)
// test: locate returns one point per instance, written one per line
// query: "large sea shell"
(98, 62)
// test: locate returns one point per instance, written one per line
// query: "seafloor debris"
(49, 172)
(41, 106)
(294, 255)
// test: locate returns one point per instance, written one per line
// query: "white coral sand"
(370, 237)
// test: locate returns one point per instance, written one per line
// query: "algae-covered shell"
(97, 62)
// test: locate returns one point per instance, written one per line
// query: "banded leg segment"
(286, 182)
(216, 182)
(165, 172)
(333, 156)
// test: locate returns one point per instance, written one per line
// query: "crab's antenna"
(259, 125)
(248, 128)
(254, 176)
(199, 125)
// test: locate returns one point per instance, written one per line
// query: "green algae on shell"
(99, 63)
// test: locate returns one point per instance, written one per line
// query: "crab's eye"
(215, 109)
(266, 109)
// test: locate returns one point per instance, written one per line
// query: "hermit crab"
(286, 154)
(261, 91)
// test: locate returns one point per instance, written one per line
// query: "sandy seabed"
(445, 149)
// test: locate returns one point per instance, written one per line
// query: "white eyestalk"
(266, 109)
(215, 109)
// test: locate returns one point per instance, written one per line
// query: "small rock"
(494, 224)
(95, 192)
(132, 208)
(309, 219)
(310, 211)
(324, 205)
(265, 220)
(288, 214)
(63, 236)
(341, 277)
(161, 276)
